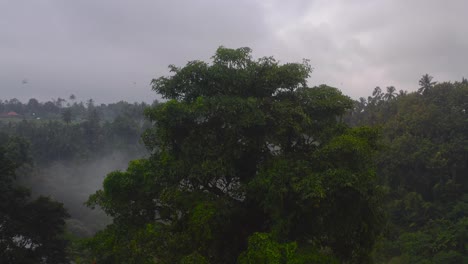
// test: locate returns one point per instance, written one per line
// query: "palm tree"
(425, 83)
(376, 96)
(391, 93)
(377, 92)
(360, 105)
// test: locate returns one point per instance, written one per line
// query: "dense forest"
(241, 163)
(423, 166)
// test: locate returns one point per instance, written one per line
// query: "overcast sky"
(110, 50)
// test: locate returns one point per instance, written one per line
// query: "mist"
(72, 182)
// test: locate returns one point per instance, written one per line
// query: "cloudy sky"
(109, 50)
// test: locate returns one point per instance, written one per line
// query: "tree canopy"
(244, 155)
(31, 231)
(424, 166)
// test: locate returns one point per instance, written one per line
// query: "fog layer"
(72, 182)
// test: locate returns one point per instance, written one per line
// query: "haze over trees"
(241, 163)
(58, 132)
(64, 160)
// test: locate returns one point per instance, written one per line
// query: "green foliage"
(424, 166)
(84, 139)
(67, 116)
(262, 248)
(243, 147)
(31, 231)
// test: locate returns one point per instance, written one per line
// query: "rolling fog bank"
(72, 182)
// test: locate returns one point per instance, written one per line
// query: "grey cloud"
(110, 50)
(357, 45)
(101, 49)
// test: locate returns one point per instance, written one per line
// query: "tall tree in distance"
(390, 94)
(377, 93)
(92, 128)
(33, 105)
(67, 116)
(402, 93)
(425, 83)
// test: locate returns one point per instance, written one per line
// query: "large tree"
(244, 158)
